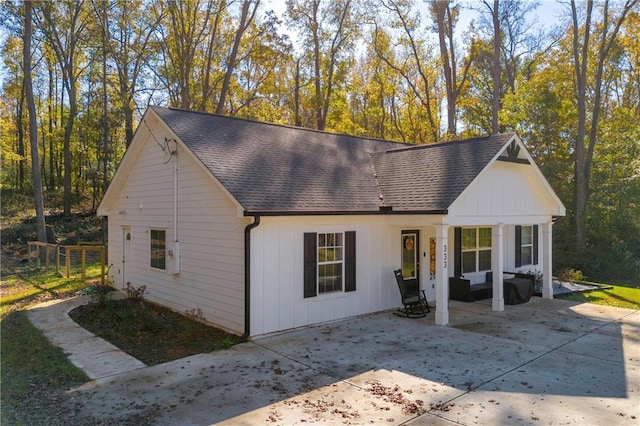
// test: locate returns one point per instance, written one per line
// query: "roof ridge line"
(440, 143)
(287, 126)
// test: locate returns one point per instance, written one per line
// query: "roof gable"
(431, 177)
(527, 185)
(272, 168)
(126, 163)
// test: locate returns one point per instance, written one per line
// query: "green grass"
(30, 364)
(30, 285)
(35, 374)
(617, 296)
(33, 371)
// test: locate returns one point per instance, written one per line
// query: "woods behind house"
(78, 75)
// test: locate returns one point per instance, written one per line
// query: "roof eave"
(381, 211)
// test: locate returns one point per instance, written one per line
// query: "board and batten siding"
(509, 193)
(210, 232)
(277, 272)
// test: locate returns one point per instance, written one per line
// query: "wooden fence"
(43, 252)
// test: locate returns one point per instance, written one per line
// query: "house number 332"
(445, 256)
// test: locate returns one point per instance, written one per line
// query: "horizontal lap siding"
(210, 232)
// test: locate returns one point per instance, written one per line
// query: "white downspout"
(176, 242)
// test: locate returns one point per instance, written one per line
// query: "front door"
(411, 259)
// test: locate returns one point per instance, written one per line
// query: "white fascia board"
(562, 211)
(127, 162)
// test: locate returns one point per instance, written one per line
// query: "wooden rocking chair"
(414, 303)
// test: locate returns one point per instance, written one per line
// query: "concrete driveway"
(544, 362)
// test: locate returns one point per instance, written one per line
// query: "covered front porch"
(497, 251)
(432, 252)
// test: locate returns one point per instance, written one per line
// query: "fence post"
(46, 252)
(83, 263)
(102, 260)
(57, 259)
(67, 261)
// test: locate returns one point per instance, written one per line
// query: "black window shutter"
(350, 261)
(535, 244)
(518, 246)
(457, 252)
(310, 264)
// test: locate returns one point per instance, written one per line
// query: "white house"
(266, 227)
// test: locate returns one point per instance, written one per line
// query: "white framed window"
(476, 250)
(526, 245)
(158, 246)
(330, 262)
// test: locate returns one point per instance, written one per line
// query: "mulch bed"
(151, 333)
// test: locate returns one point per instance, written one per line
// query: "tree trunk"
(585, 142)
(50, 109)
(33, 128)
(320, 122)
(66, 56)
(496, 68)
(440, 8)
(207, 85)
(580, 66)
(21, 151)
(68, 130)
(296, 95)
(231, 64)
(105, 112)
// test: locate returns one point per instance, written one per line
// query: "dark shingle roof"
(268, 167)
(431, 177)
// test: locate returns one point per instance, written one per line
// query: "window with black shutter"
(310, 264)
(329, 262)
(526, 245)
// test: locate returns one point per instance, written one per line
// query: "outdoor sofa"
(518, 288)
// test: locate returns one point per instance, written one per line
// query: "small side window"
(526, 245)
(158, 248)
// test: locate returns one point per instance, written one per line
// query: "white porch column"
(442, 275)
(547, 260)
(497, 266)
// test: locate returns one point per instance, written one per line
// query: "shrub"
(571, 275)
(135, 293)
(99, 294)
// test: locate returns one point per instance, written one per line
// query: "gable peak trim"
(512, 152)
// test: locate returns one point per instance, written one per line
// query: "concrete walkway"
(544, 362)
(97, 357)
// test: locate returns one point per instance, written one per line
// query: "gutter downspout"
(247, 276)
(176, 241)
